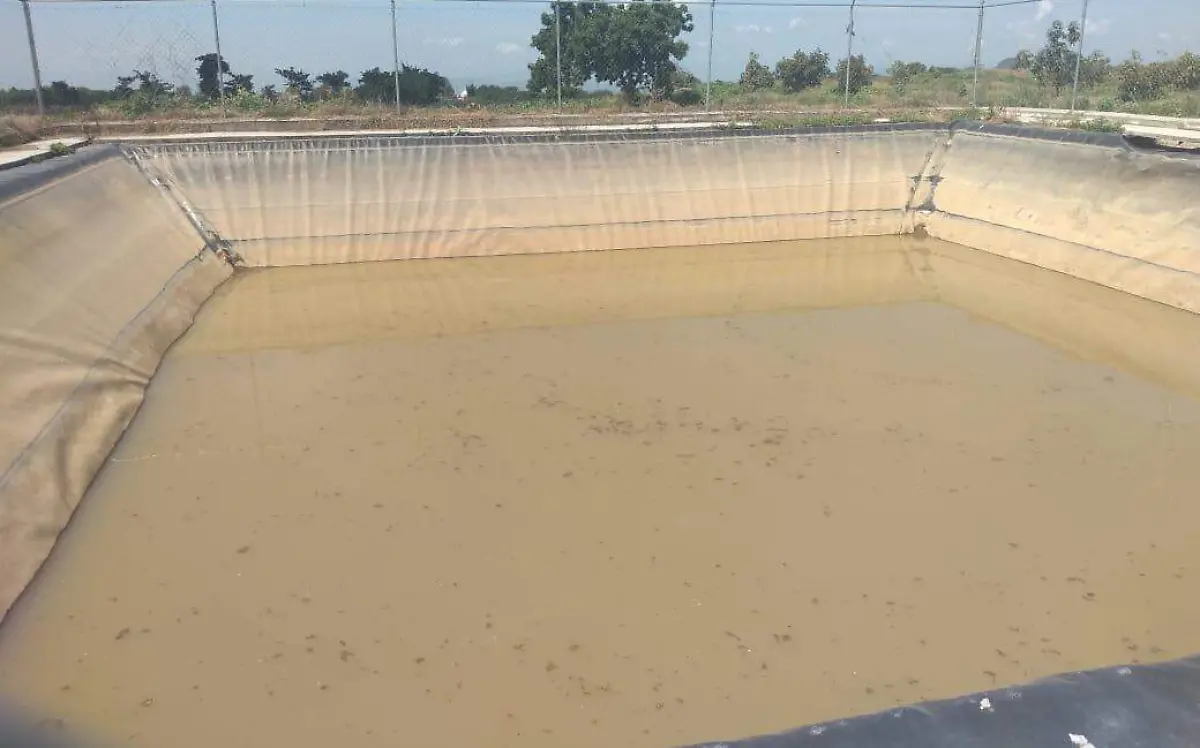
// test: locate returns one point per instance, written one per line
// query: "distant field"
(926, 97)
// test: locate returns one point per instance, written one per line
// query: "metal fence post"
(1079, 54)
(558, 51)
(395, 58)
(33, 58)
(978, 51)
(849, 50)
(220, 59)
(712, 15)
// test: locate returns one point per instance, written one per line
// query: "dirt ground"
(624, 498)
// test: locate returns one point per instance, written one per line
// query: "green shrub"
(860, 74)
(247, 101)
(687, 97)
(756, 76)
(1096, 125)
(902, 72)
(802, 70)
(1185, 73)
(969, 113)
(502, 95)
(1138, 81)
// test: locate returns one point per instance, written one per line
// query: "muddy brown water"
(626, 498)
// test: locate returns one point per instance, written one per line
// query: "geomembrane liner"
(732, 483)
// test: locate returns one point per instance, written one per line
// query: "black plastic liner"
(1142, 706)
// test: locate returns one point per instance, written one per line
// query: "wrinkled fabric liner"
(385, 198)
(99, 275)
(1084, 204)
(1107, 214)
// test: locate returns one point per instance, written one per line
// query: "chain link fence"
(349, 44)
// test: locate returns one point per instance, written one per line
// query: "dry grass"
(323, 116)
(16, 129)
(926, 97)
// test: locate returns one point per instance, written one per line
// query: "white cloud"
(445, 41)
(1099, 26)
(1023, 30)
(1044, 8)
(508, 48)
(752, 28)
(797, 22)
(1164, 36)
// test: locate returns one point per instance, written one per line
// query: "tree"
(210, 80)
(1186, 74)
(335, 82)
(687, 96)
(417, 86)
(756, 76)
(1054, 64)
(1023, 60)
(375, 85)
(685, 89)
(902, 72)
(638, 46)
(296, 82)
(421, 86)
(60, 93)
(1094, 69)
(142, 92)
(488, 94)
(149, 86)
(577, 64)
(860, 73)
(803, 70)
(1138, 81)
(238, 83)
(633, 46)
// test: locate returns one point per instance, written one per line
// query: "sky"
(91, 43)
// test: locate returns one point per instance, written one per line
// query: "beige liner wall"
(101, 270)
(99, 274)
(328, 201)
(1121, 218)
(1106, 213)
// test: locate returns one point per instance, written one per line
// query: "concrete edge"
(40, 150)
(31, 176)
